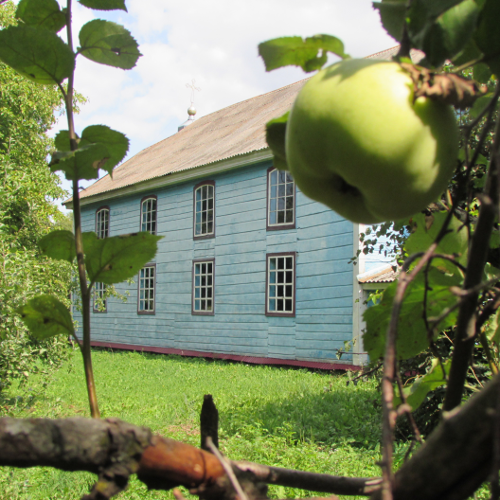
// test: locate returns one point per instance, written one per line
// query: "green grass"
(276, 416)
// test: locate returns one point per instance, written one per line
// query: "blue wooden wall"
(324, 290)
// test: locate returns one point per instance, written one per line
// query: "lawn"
(277, 416)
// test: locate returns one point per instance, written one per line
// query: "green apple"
(358, 142)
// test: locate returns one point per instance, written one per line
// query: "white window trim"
(280, 225)
(269, 284)
(206, 287)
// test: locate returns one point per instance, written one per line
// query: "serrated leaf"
(417, 392)
(115, 143)
(453, 243)
(46, 316)
(59, 244)
(442, 29)
(36, 53)
(393, 16)
(487, 35)
(115, 259)
(84, 163)
(44, 13)
(275, 138)
(108, 43)
(309, 54)
(104, 4)
(412, 334)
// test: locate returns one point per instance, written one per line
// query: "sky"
(213, 43)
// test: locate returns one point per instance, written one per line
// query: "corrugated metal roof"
(384, 274)
(230, 132)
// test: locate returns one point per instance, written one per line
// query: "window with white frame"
(280, 200)
(100, 302)
(204, 210)
(146, 290)
(102, 222)
(280, 288)
(148, 214)
(203, 287)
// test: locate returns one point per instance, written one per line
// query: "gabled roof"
(386, 273)
(232, 132)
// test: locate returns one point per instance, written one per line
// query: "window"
(146, 290)
(203, 287)
(102, 222)
(148, 214)
(100, 302)
(204, 210)
(280, 288)
(280, 200)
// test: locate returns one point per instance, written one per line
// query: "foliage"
(27, 212)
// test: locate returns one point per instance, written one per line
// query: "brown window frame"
(278, 227)
(193, 311)
(292, 313)
(146, 198)
(195, 188)
(146, 312)
(100, 209)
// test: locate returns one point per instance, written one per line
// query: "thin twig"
(409, 415)
(228, 468)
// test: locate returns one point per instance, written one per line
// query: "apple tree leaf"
(454, 243)
(84, 163)
(481, 73)
(493, 329)
(480, 104)
(59, 244)
(104, 4)
(412, 334)
(442, 33)
(487, 35)
(115, 259)
(44, 13)
(108, 43)
(46, 316)
(417, 392)
(393, 16)
(275, 138)
(309, 54)
(36, 53)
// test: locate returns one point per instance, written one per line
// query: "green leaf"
(309, 54)
(112, 145)
(412, 334)
(104, 4)
(417, 392)
(59, 244)
(493, 329)
(393, 16)
(487, 35)
(46, 316)
(36, 53)
(480, 104)
(468, 54)
(43, 13)
(275, 138)
(84, 163)
(108, 43)
(442, 33)
(481, 73)
(115, 259)
(453, 243)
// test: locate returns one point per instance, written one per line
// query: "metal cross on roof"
(193, 88)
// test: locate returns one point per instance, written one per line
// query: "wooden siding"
(323, 243)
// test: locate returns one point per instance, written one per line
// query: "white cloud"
(214, 43)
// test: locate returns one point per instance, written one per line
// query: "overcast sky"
(214, 43)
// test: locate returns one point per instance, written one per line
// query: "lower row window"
(280, 287)
(100, 304)
(146, 290)
(203, 287)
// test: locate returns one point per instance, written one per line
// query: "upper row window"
(102, 222)
(148, 214)
(280, 200)
(204, 210)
